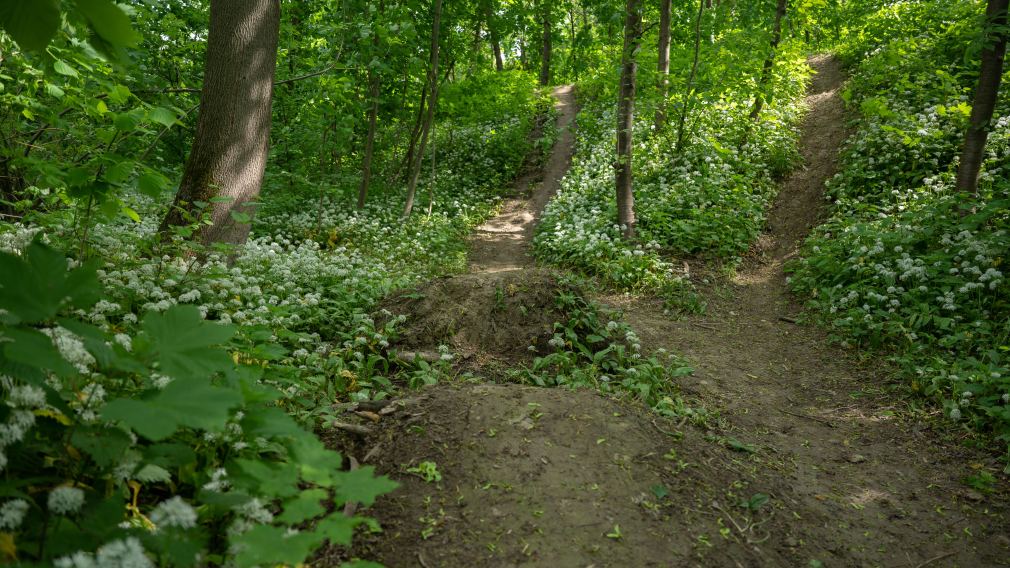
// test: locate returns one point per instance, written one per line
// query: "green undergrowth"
(898, 266)
(707, 199)
(178, 387)
(594, 349)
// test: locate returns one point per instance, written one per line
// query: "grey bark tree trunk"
(231, 144)
(990, 74)
(545, 53)
(626, 118)
(373, 114)
(415, 168)
(663, 79)
(766, 69)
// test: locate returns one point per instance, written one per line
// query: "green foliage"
(153, 442)
(606, 356)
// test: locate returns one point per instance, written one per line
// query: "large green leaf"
(363, 486)
(191, 403)
(35, 287)
(267, 545)
(183, 343)
(109, 21)
(32, 23)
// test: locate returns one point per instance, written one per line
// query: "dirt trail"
(810, 462)
(501, 243)
(875, 486)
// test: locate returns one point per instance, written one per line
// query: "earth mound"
(482, 318)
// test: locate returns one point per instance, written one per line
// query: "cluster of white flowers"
(126, 553)
(65, 500)
(12, 513)
(174, 513)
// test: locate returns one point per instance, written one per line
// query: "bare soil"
(502, 243)
(542, 477)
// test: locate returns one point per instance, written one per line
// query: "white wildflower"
(65, 500)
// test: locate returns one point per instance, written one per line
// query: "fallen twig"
(935, 558)
(372, 453)
(420, 560)
(787, 319)
(808, 417)
(352, 428)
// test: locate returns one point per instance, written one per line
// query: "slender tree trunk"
(973, 151)
(415, 169)
(766, 69)
(545, 54)
(689, 94)
(626, 118)
(232, 139)
(663, 78)
(415, 132)
(373, 114)
(492, 31)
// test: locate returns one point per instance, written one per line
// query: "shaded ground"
(810, 461)
(501, 243)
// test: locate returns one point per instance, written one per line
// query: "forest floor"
(810, 457)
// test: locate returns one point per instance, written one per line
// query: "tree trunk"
(663, 79)
(766, 69)
(373, 113)
(415, 168)
(232, 138)
(545, 54)
(689, 90)
(626, 118)
(492, 31)
(973, 152)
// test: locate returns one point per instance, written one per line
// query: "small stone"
(974, 496)
(857, 458)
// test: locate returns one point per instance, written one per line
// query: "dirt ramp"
(507, 475)
(506, 316)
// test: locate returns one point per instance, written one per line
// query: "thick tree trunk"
(492, 31)
(626, 118)
(373, 114)
(766, 69)
(663, 78)
(545, 53)
(973, 151)
(689, 90)
(415, 168)
(232, 139)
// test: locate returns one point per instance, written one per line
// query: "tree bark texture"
(986, 92)
(373, 113)
(766, 69)
(415, 168)
(626, 118)
(663, 78)
(545, 53)
(231, 144)
(492, 31)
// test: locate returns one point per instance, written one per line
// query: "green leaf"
(267, 545)
(363, 486)
(162, 116)
(304, 507)
(55, 91)
(185, 402)
(35, 287)
(184, 344)
(109, 21)
(131, 213)
(105, 445)
(32, 23)
(63, 68)
(338, 528)
(34, 349)
(271, 478)
(152, 184)
(152, 473)
(124, 122)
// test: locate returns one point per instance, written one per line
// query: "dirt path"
(872, 486)
(501, 243)
(809, 462)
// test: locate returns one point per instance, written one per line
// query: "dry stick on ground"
(808, 417)
(936, 558)
(351, 506)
